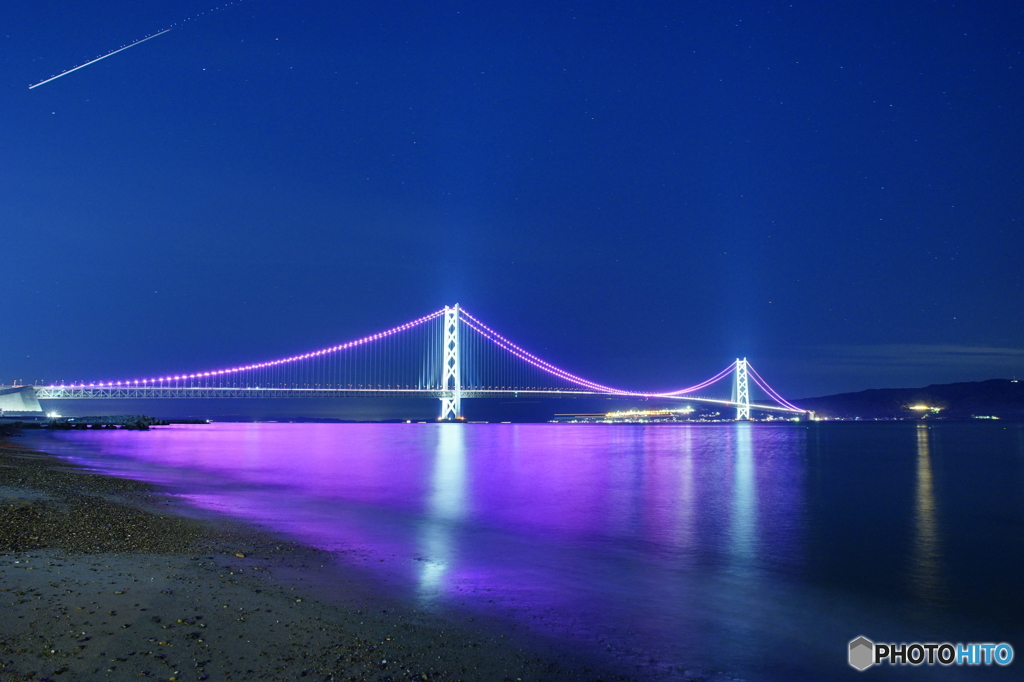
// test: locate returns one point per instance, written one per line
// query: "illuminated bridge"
(449, 355)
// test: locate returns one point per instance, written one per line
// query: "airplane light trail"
(81, 66)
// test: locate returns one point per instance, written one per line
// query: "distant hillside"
(996, 397)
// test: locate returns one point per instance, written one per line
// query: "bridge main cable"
(499, 340)
(388, 366)
(263, 365)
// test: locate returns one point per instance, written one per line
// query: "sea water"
(759, 550)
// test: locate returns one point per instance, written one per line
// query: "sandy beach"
(104, 578)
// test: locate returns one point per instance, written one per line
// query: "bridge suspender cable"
(448, 354)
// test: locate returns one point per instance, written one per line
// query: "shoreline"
(103, 579)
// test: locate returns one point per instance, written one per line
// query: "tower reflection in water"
(744, 503)
(446, 505)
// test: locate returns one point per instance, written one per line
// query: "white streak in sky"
(98, 58)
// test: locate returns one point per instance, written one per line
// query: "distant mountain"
(1000, 398)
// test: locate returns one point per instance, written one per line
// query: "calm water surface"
(760, 550)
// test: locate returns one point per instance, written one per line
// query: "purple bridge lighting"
(449, 355)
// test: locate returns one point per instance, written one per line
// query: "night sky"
(638, 192)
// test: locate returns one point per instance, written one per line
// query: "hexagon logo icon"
(862, 653)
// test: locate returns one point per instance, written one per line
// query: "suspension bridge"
(449, 355)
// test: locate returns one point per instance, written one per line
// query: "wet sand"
(102, 578)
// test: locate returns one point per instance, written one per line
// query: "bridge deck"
(139, 393)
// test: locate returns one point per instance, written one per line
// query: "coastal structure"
(19, 401)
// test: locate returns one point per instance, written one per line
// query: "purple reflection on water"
(666, 542)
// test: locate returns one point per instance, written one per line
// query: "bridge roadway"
(139, 392)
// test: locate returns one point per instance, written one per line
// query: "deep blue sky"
(639, 192)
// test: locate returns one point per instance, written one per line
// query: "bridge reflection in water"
(676, 547)
(446, 507)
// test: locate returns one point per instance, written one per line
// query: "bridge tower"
(451, 372)
(741, 391)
